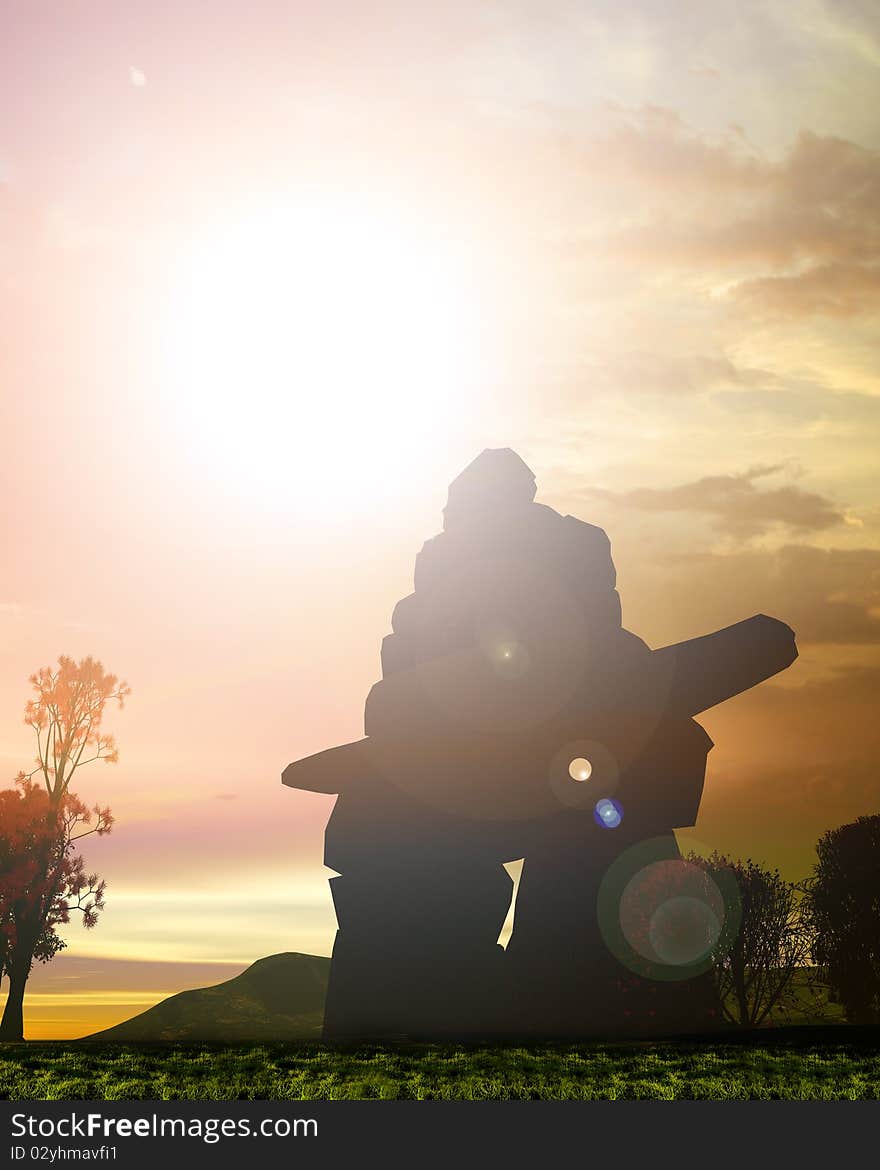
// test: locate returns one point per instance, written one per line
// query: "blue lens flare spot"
(607, 813)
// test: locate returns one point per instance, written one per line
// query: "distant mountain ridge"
(280, 997)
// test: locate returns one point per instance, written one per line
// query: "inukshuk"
(517, 719)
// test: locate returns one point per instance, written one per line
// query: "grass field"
(784, 1064)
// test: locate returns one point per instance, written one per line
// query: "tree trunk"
(12, 1025)
(738, 965)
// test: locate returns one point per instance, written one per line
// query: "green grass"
(788, 1064)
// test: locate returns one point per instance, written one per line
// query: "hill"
(282, 997)
(254, 1006)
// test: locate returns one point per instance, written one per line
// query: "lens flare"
(608, 813)
(665, 918)
(684, 930)
(593, 769)
(580, 769)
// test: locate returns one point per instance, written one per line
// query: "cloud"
(835, 290)
(737, 503)
(852, 24)
(795, 235)
(644, 371)
(825, 595)
(810, 402)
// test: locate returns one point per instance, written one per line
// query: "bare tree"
(764, 941)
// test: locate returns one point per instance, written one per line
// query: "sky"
(274, 273)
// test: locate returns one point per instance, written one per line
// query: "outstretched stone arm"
(327, 771)
(705, 671)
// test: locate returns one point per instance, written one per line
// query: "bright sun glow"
(323, 343)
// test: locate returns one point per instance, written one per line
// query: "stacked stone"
(512, 641)
(485, 658)
(506, 663)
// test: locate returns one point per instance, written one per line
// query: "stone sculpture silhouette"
(517, 719)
